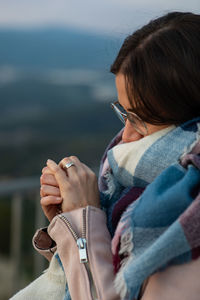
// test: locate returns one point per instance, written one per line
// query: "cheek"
(130, 134)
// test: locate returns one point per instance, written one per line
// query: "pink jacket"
(94, 278)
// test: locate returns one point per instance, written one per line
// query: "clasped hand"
(64, 190)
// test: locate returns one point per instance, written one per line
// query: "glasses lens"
(122, 116)
(138, 124)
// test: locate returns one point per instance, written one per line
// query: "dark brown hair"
(161, 64)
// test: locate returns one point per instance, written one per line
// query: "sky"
(114, 17)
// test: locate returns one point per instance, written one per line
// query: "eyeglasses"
(135, 120)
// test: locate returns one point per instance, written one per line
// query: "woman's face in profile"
(130, 134)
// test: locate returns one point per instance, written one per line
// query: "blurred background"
(55, 90)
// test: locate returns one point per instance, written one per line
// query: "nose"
(130, 134)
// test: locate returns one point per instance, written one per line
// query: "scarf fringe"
(126, 242)
(187, 150)
(110, 184)
(126, 250)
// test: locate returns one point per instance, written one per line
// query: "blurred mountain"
(57, 48)
(53, 58)
(54, 91)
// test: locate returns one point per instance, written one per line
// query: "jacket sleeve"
(43, 243)
(93, 279)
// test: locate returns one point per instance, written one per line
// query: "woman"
(149, 178)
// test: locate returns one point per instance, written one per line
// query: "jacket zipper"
(81, 242)
(82, 247)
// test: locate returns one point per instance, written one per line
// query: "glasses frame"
(125, 116)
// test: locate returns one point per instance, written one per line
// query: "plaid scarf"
(150, 192)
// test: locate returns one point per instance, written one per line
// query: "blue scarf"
(151, 187)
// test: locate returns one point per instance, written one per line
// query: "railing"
(18, 190)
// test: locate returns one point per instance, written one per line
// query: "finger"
(50, 200)
(73, 159)
(46, 190)
(70, 171)
(59, 174)
(48, 179)
(88, 170)
(46, 170)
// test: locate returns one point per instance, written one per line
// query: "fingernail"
(49, 160)
(52, 165)
(58, 198)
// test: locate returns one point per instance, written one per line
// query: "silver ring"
(68, 165)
